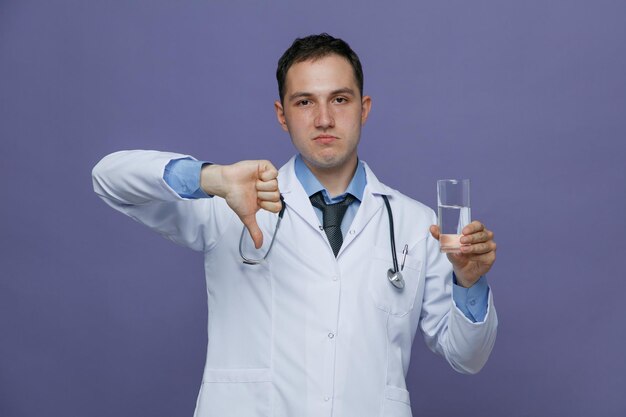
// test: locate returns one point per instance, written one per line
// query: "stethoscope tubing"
(392, 235)
(249, 261)
(394, 275)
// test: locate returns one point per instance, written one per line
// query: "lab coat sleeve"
(464, 344)
(132, 183)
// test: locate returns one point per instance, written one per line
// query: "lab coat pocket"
(386, 296)
(397, 402)
(236, 393)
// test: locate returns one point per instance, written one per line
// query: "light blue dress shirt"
(312, 185)
(183, 176)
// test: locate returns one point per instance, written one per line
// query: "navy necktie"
(332, 215)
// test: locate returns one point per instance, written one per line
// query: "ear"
(366, 106)
(280, 115)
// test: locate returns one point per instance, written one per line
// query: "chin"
(329, 162)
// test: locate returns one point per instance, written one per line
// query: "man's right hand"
(247, 187)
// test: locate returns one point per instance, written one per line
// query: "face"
(323, 111)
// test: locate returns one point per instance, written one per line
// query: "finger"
(267, 171)
(477, 237)
(434, 231)
(473, 227)
(479, 248)
(268, 196)
(488, 259)
(271, 185)
(254, 230)
(274, 207)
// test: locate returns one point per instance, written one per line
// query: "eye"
(303, 102)
(340, 100)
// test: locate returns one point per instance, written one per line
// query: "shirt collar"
(312, 185)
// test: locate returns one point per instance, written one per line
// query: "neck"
(336, 179)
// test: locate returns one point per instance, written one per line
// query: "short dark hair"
(315, 47)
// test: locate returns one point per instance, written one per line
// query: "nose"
(324, 117)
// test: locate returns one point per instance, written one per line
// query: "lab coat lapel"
(372, 203)
(295, 197)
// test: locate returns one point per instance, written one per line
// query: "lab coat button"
(326, 398)
(335, 277)
(352, 232)
(331, 335)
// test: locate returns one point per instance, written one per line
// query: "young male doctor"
(315, 325)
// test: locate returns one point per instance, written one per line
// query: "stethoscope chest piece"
(395, 278)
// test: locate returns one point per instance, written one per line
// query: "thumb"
(253, 228)
(434, 230)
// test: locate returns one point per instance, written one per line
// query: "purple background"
(101, 317)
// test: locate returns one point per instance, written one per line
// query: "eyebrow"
(304, 94)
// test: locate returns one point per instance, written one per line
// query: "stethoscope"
(394, 275)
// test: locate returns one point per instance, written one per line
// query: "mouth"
(325, 139)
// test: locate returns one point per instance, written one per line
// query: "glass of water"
(453, 209)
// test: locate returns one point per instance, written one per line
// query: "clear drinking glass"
(453, 209)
